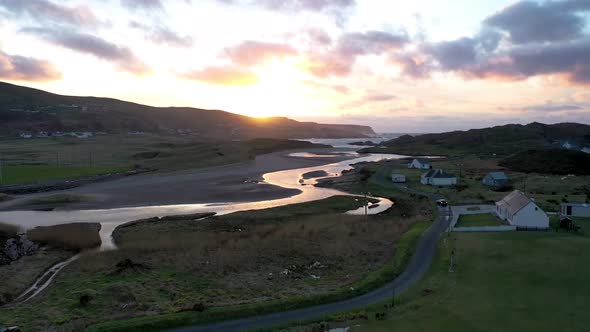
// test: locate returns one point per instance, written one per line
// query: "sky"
(398, 66)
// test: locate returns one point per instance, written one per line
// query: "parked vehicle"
(442, 202)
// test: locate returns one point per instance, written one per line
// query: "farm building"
(575, 209)
(398, 178)
(438, 177)
(521, 211)
(420, 163)
(495, 179)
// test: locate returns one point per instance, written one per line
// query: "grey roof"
(498, 175)
(438, 173)
(514, 202)
(423, 160)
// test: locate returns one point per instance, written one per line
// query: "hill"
(500, 140)
(24, 109)
(549, 162)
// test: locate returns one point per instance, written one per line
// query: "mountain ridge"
(501, 140)
(24, 109)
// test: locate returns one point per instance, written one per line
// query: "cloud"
(251, 53)
(332, 64)
(412, 65)
(530, 21)
(571, 59)
(47, 11)
(122, 56)
(163, 35)
(142, 4)
(371, 42)
(341, 58)
(312, 5)
(227, 76)
(379, 97)
(297, 5)
(550, 107)
(342, 89)
(318, 37)
(453, 55)
(14, 67)
(370, 98)
(544, 39)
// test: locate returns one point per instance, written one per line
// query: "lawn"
(518, 281)
(474, 220)
(20, 174)
(240, 264)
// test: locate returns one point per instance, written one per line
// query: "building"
(575, 209)
(521, 211)
(586, 150)
(420, 163)
(398, 178)
(438, 177)
(496, 179)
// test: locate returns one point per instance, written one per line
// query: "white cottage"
(420, 163)
(521, 211)
(575, 209)
(438, 177)
(398, 178)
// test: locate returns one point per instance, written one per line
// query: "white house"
(521, 211)
(398, 178)
(438, 177)
(420, 163)
(495, 179)
(575, 209)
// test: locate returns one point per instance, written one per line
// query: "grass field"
(230, 266)
(474, 220)
(111, 152)
(21, 174)
(516, 281)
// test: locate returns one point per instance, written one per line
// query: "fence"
(503, 228)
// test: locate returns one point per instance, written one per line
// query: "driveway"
(418, 265)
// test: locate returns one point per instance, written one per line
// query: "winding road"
(418, 265)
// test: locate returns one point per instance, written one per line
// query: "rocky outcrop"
(15, 248)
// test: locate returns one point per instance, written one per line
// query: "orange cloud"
(228, 76)
(251, 53)
(14, 67)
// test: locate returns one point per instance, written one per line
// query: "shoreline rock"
(15, 248)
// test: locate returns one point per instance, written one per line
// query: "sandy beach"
(230, 183)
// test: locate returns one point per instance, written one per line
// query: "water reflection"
(111, 218)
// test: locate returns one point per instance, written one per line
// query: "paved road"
(418, 265)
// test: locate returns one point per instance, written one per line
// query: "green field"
(166, 153)
(21, 174)
(474, 220)
(501, 282)
(232, 265)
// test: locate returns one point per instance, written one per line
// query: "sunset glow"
(397, 66)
